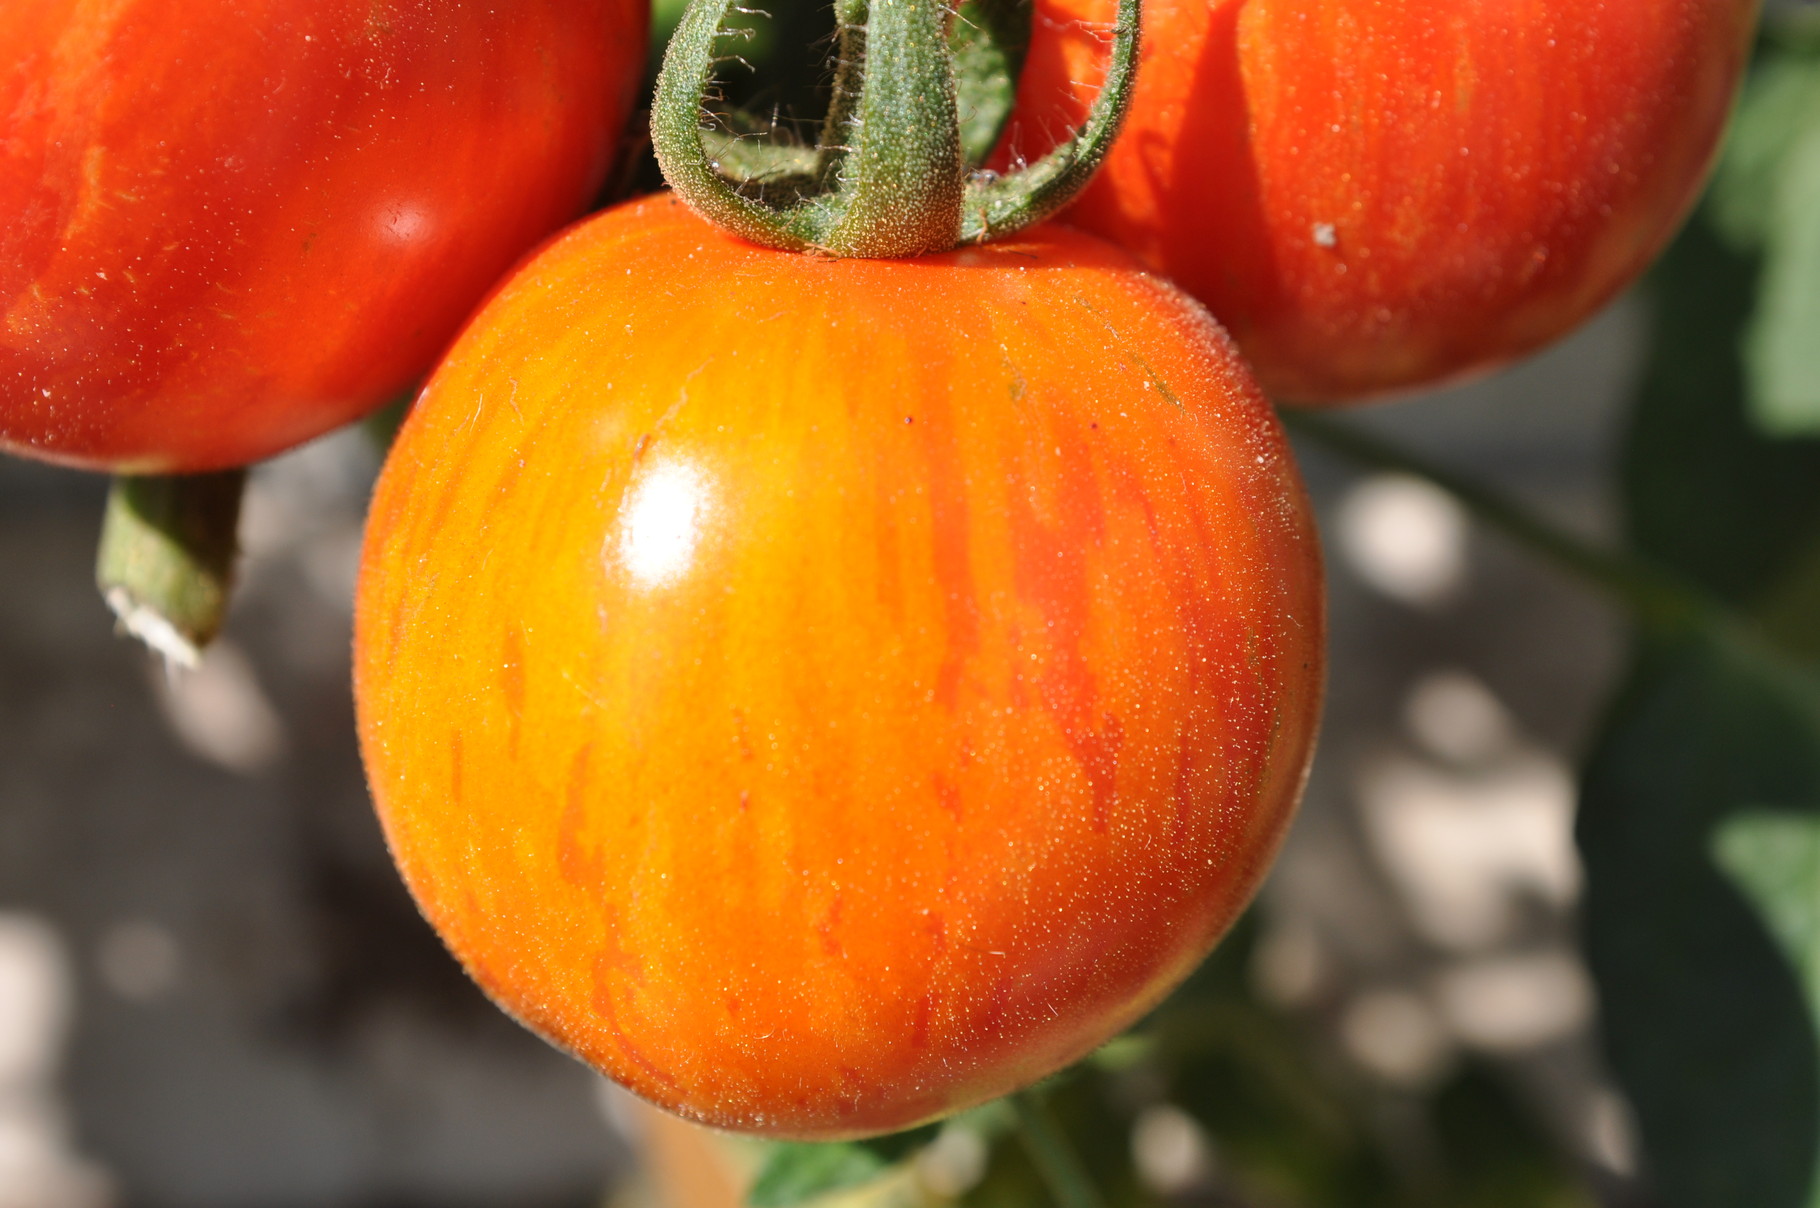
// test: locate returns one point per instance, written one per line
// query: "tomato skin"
(227, 227)
(825, 694)
(1380, 195)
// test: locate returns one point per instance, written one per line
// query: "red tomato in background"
(1381, 195)
(227, 227)
(825, 694)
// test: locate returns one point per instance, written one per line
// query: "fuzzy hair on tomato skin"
(812, 724)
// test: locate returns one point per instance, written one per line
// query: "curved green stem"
(889, 171)
(1010, 203)
(1051, 1153)
(166, 561)
(676, 137)
(1660, 600)
(891, 176)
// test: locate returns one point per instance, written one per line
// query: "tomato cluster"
(822, 693)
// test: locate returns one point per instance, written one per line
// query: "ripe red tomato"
(1378, 195)
(228, 227)
(824, 694)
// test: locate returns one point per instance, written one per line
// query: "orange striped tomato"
(1380, 195)
(826, 694)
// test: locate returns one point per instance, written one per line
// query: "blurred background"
(214, 992)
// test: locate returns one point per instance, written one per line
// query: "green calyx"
(896, 172)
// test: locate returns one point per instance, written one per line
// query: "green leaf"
(1765, 200)
(989, 41)
(1782, 347)
(798, 1172)
(1775, 859)
(1780, 103)
(795, 1172)
(1706, 494)
(664, 17)
(1790, 614)
(1695, 896)
(1705, 1018)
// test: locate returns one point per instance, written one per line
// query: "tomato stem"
(1661, 601)
(166, 561)
(891, 176)
(1052, 1154)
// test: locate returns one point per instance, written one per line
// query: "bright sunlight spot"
(662, 522)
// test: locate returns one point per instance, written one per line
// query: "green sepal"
(999, 206)
(890, 177)
(990, 40)
(800, 1172)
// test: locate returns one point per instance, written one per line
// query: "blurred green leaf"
(665, 14)
(1704, 1018)
(1492, 1152)
(1781, 102)
(1775, 859)
(1782, 346)
(1790, 614)
(1096, 1119)
(797, 1172)
(1765, 200)
(1706, 495)
(990, 38)
(1701, 909)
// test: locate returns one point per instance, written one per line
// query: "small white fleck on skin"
(1324, 235)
